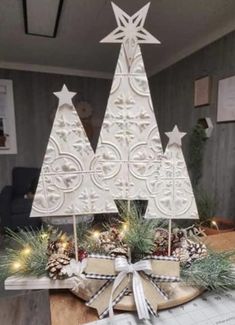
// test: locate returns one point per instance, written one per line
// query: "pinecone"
(161, 242)
(69, 249)
(119, 251)
(52, 247)
(182, 254)
(178, 235)
(190, 251)
(61, 247)
(55, 264)
(107, 241)
(196, 250)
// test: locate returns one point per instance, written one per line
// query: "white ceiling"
(183, 26)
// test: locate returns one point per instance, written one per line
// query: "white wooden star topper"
(175, 136)
(130, 31)
(65, 96)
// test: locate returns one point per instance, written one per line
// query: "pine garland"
(214, 272)
(28, 254)
(140, 234)
(86, 239)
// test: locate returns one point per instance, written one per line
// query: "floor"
(23, 307)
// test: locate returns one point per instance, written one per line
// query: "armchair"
(14, 207)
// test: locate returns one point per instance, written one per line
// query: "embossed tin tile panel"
(70, 183)
(174, 197)
(129, 149)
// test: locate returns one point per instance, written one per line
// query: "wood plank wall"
(35, 106)
(173, 96)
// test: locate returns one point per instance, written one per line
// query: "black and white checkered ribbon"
(124, 268)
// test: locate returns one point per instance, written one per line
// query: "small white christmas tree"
(69, 182)
(174, 198)
(174, 194)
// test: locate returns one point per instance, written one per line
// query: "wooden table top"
(68, 309)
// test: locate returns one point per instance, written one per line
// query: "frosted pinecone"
(55, 264)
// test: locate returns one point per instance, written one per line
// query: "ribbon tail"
(139, 297)
(78, 283)
(116, 283)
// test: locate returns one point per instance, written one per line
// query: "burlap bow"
(142, 279)
(123, 268)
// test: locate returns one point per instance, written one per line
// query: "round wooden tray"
(180, 294)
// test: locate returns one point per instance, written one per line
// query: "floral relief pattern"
(129, 148)
(67, 184)
(174, 198)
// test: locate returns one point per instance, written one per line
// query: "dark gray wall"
(35, 106)
(173, 96)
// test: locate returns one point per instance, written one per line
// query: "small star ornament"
(74, 269)
(130, 31)
(65, 96)
(175, 136)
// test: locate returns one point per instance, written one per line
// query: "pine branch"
(28, 254)
(214, 272)
(140, 232)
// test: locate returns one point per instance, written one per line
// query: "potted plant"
(206, 203)
(210, 223)
(197, 142)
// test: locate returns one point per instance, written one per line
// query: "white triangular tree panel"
(129, 148)
(174, 198)
(69, 182)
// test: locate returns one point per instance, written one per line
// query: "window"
(7, 118)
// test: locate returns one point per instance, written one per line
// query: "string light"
(96, 234)
(125, 227)
(16, 266)
(63, 238)
(215, 224)
(44, 235)
(64, 245)
(122, 233)
(26, 251)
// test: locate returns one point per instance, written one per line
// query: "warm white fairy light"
(26, 251)
(125, 227)
(95, 234)
(16, 266)
(44, 235)
(64, 245)
(63, 238)
(215, 224)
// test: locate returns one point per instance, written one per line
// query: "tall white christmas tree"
(129, 148)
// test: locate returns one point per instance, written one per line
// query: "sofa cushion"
(22, 220)
(21, 205)
(22, 178)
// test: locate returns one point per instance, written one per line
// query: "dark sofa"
(14, 207)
